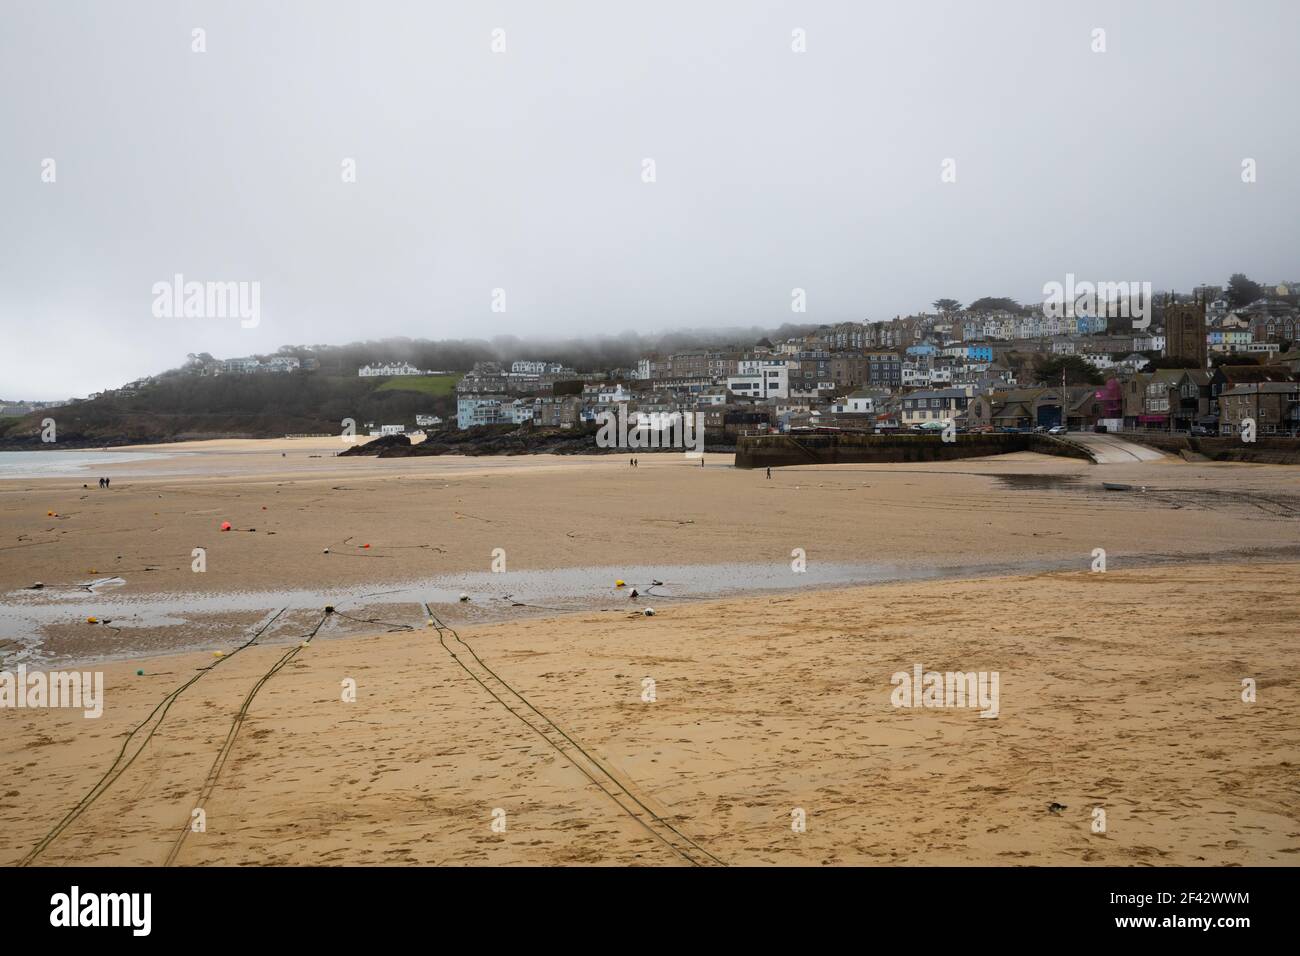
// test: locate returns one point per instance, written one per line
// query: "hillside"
(189, 407)
(434, 385)
(179, 405)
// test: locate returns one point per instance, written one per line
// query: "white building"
(915, 376)
(860, 403)
(428, 421)
(767, 379)
(241, 365)
(1098, 360)
(607, 394)
(1154, 342)
(374, 371)
(283, 363)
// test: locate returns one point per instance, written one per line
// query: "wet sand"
(433, 527)
(1119, 690)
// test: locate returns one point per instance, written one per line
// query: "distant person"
(101, 483)
(107, 482)
(769, 473)
(631, 462)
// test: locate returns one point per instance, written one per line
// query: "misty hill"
(189, 407)
(590, 354)
(181, 405)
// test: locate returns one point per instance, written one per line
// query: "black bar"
(948, 907)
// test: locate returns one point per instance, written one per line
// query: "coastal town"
(1205, 370)
(1212, 362)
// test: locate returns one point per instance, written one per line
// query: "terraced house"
(1274, 407)
(937, 405)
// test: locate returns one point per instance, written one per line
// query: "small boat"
(1116, 486)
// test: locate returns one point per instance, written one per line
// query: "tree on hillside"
(1077, 372)
(994, 304)
(1225, 358)
(1242, 291)
(946, 305)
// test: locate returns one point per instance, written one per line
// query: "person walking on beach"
(769, 473)
(101, 483)
(107, 482)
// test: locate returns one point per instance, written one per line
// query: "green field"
(427, 384)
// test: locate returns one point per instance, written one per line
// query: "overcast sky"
(523, 170)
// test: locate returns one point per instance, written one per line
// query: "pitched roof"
(940, 393)
(1018, 395)
(1012, 410)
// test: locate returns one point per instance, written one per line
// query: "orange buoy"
(225, 526)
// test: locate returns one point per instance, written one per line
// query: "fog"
(505, 192)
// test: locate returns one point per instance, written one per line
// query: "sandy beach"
(769, 698)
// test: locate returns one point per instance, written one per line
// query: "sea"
(66, 464)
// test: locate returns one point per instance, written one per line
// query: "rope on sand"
(210, 782)
(372, 620)
(620, 789)
(120, 764)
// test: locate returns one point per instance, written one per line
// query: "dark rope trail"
(655, 821)
(119, 765)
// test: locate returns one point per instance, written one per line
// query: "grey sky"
(522, 170)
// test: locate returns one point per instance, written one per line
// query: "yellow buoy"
(619, 583)
(92, 620)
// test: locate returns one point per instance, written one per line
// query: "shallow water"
(173, 622)
(25, 613)
(67, 464)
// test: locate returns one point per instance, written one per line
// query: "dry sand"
(1119, 690)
